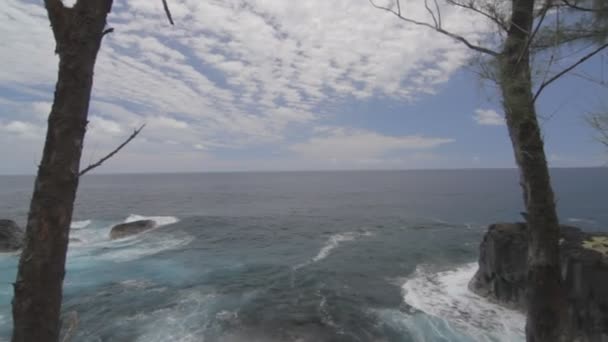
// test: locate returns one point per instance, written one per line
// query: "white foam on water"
(420, 327)
(93, 236)
(326, 315)
(445, 295)
(137, 248)
(9, 255)
(181, 322)
(227, 316)
(80, 224)
(160, 220)
(135, 283)
(440, 221)
(89, 233)
(581, 220)
(332, 243)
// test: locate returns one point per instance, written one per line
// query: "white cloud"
(162, 122)
(232, 73)
(264, 50)
(99, 125)
(361, 145)
(21, 129)
(41, 109)
(488, 117)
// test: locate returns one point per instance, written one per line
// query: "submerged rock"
(502, 274)
(131, 228)
(11, 236)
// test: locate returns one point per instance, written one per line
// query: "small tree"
(518, 26)
(78, 32)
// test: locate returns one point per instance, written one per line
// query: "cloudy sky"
(241, 85)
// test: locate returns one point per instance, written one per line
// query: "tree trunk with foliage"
(546, 300)
(78, 32)
(547, 305)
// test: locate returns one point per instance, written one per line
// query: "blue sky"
(281, 85)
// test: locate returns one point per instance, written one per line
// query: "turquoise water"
(310, 256)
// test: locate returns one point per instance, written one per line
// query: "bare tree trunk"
(546, 300)
(78, 33)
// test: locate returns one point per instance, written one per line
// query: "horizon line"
(312, 170)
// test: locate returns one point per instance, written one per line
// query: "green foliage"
(599, 121)
(598, 244)
(574, 21)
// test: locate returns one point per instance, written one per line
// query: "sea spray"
(445, 295)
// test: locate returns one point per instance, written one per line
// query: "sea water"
(293, 256)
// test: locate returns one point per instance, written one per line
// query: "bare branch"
(428, 9)
(570, 36)
(111, 154)
(438, 29)
(600, 123)
(590, 79)
(548, 68)
(568, 69)
(544, 11)
(107, 31)
(167, 12)
(580, 8)
(543, 15)
(438, 11)
(470, 6)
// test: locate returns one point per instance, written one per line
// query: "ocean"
(291, 256)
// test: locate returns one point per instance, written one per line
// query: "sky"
(268, 85)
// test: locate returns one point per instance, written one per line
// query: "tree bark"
(78, 32)
(546, 300)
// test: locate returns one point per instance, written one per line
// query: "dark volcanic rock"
(585, 274)
(502, 253)
(131, 228)
(584, 257)
(11, 236)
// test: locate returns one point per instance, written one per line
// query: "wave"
(335, 240)
(160, 220)
(92, 231)
(445, 296)
(92, 238)
(181, 321)
(581, 220)
(440, 221)
(80, 224)
(332, 243)
(137, 249)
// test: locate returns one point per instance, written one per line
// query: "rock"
(131, 228)
(584, 259)
(585, 275)
(11, 236)
(500, 276)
